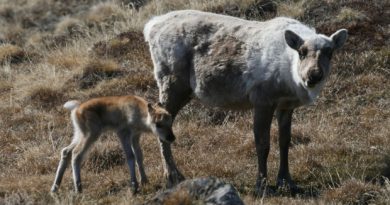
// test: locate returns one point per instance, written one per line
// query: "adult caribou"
(276, 65)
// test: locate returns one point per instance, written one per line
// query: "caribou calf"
(271, 66)
(129, 116)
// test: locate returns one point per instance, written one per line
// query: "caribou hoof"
(174, 178)
(79, 189)
(287, 185)
(262, 189)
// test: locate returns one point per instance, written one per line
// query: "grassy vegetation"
(52, 51)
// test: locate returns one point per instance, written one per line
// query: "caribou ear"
(293, 40)
(339, 38)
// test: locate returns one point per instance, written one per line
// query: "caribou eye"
(159, 125)
(302, 53)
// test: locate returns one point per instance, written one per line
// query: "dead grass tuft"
(7, 12)
(13, 35)
(16, 198)
(96, 71)
(45, 97)
(9, 112)
(260, 10)
(231, 9)
(134, 82)
(67, 59)
(141, 81)
(253, 10)
(11, 53)
(70, 27)
(128, 46)
(105, 12)
(353, 192)
(349, 14)
(312, 11)
(49, 41)
(293, 9)
(363, 19)
(105, 155)
(5, 87)
(36, 160)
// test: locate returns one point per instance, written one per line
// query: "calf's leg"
(66, 155)
(124, 136)
(139, 157)
(78, 154)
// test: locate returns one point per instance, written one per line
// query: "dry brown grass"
(352, 192)
(45, 97)
(129, 47)
(97, 70)
(53, 51)
(11, 53)
(69, 58)
(105, 12)
(70, 27)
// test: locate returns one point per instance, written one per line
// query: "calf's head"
(315, 54)
(161, 122)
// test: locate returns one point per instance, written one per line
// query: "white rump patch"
(148, 27)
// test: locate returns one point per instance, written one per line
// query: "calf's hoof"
(134, 187)
(54, 189)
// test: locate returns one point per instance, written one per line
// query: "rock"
(209, 190)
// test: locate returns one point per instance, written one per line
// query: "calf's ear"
(339, 38)
(293, 40)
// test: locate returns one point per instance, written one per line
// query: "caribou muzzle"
(314, 77)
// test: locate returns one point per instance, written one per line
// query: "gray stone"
(209, 191)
